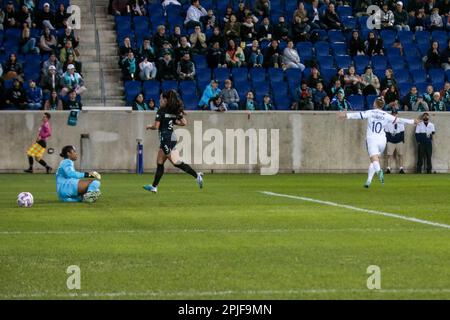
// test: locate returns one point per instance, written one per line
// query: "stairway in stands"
(99, 55)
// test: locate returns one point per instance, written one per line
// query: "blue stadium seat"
(414, 62)
(349, 22)
(282, 102)
(361, 62)
(422, 37)
(141, 24)
(370, 99)
(190, 102)
(404, 88)
(169, 85)
(356, 102)
(276, 75)
(327, 74)
(343, 61)
(393, 51)
(336, 36)
(405, 36)
(421, 86)
(257, 75)
(419, 76)
(199, 61)
(239, 74)
(388, 36)
(322, 48)
(222, 74)
(411, 50)
(305, 50)
(132, 89)
(344, 11)
(402, 76)
(293, 75)
(261, 89)
(242, 89)
(379, 62)
(447, 75)
(397, 62)
(203, 74)
(188, 87)
(339, 49)
(436, 75)
(325, 62)
(151, 88)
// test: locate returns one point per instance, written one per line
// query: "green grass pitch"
(227, 241)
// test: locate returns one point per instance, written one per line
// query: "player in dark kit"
(171, 113)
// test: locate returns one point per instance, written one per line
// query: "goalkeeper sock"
(376, 166)
(187, 168)
(94, 186)
(158, 175)
(30, 161)
(43, 163)
(371, 173)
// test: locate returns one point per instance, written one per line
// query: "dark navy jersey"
(166, 122)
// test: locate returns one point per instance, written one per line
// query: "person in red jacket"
(37, 150)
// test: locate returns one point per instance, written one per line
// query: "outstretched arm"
(154, 126)
(352, 115)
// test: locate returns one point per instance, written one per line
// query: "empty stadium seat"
(356, 102)
(257, 75)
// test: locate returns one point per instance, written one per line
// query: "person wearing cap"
(395, 148)
(166, 48)
(339, 102)
(436, 103)
(72, 80)
(420, 105)
(51, 81)
(34, 96)
(400, 17)
(230, 95)
(45, 18)
(210, 91)
(425, 131)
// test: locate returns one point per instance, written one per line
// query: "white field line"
(376, 212)
(156, 294)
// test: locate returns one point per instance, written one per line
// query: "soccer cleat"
(402, 171)
(381, 176)
(151, 188)
(49, 170)
(367, 185)
(200, 179)
(91, 197)
(28, 171)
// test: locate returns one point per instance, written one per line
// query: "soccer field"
(229, 240)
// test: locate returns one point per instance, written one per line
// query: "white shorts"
(376, 146)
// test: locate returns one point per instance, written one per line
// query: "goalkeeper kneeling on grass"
(69, 183)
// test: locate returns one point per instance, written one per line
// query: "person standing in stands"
(37, 150)
(425, 131)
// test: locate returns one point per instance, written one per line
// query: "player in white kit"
(377, 119)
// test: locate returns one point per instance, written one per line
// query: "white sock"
(376, 166)
(371, 173)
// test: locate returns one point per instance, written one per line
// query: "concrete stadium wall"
(308, 141)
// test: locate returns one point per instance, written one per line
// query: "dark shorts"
(167, 145)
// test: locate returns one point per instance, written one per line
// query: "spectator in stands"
(250, 102)
(194, 14)
(445, 94)
(216, 56)
(230, 96)
(12, 68)
(45, 18)
(120, 7)
(392, 98)
(217, 104)
(166, 48)
(47, 42)
(273, 55)
(314, 78)
(16, 97)
(52, 61)
(370, 82)
(301, 12)
(428, 95)
(51, 81)
(267, 103)
(419, 21)
(400, 17)
(356, 45)
(165, 3)
(185, 47)
(303, 97)
(139, 103)
(210, 20)
(71, 60)
(318, 95)
(436, 103)
(53, 102)
(299, 30)
(160, 37)
(315, 17)
(175, 38)
(395, 136)
(433, 57)
(248, 32)
(232, 29)
(198, 41)
(336, 87)
(352, 82)
(34, 96)
(68, 35)
(210, 91)
(72, 81)
(10, 19)
(262, 8)
(254, 56)
(24, 17)
(61, 17)
(374, 45)
(291, 59)
(436, 22)
(388, 80)
(137, 7)
(229, 13)
(425, 131)
(66, 51)
(72, 103)
(420, 105)
(216, 36)
(340, 75)
(27, 43)
(326, 104)
(146, 51)
(445, 57)
(331, 18)
(265, 30)
(129, 67)
(339, 102)
(234, 56)
(166, 68)
(2, 18)
(387, 17)
(186, 68)
(147, 69)
(152, 104)
(281, 30)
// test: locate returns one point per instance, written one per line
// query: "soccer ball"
(25, 199)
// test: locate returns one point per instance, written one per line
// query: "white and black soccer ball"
(25, 199)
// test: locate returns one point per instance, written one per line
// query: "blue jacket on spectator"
(208, 94)
(34, 95)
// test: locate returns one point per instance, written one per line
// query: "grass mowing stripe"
(381, 213)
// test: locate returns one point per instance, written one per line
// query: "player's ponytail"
(174, 103)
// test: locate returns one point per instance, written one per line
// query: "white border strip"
(381, 213)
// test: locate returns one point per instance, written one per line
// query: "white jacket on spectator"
(148, 70)
(194, 14)
(291, 59)
(168, 2)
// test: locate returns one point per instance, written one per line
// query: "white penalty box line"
(375, 212)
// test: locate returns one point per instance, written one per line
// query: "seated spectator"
(229, 13)
(216, 36)
(215, 56)
(45, 18)
(166, 48)
(281, 30)
(47, 42)
(315, 17)
(374, 45)
(139, 103)
(326, 104)
(186, 68)
(194, 15)
(254, 56)
(10, 17)
(262, 8)
(24, 17)
(61, 17)
(234, 57)
(120, 7)
(436, 103)
(445, 94)
(340, 103)
(72, 103)
(388, 80)
(71, 60)
(68, 35)
(420, 105)
(392, 98)
(232, 29)
(436, 20)
(53, 102)
(303, 97)
(64, 53)
(340, 75)
(314, 78)
(445, 57)
(331, 19)
(267, 103)
(299, 30)
(265, 30)
(52, 61)
(248, 32)
(198, 41)
(175, 37)
(51, 81)
(420, 20)
(72, 81)
(129, 67)
(146, 51)
(301, 12)
(12, 68)
(336, 87)
(352, 82)
(137, 7)
(250, 102)
(210, 91)
(34, 96)
(27, 43)
(370, 82)
(160, 37)
(387, 17)
(16, 97)
(216, 104)
(291, 58)
(165, 3)
(273, 55)
(125, 48)
(356, 45)
(152, 104)
(433, 57)
(428, 95)
(400, 17)
(410, 99)
(166, 68)
(147, 70)
(318, 93)
(230, 96)
(210, 20)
